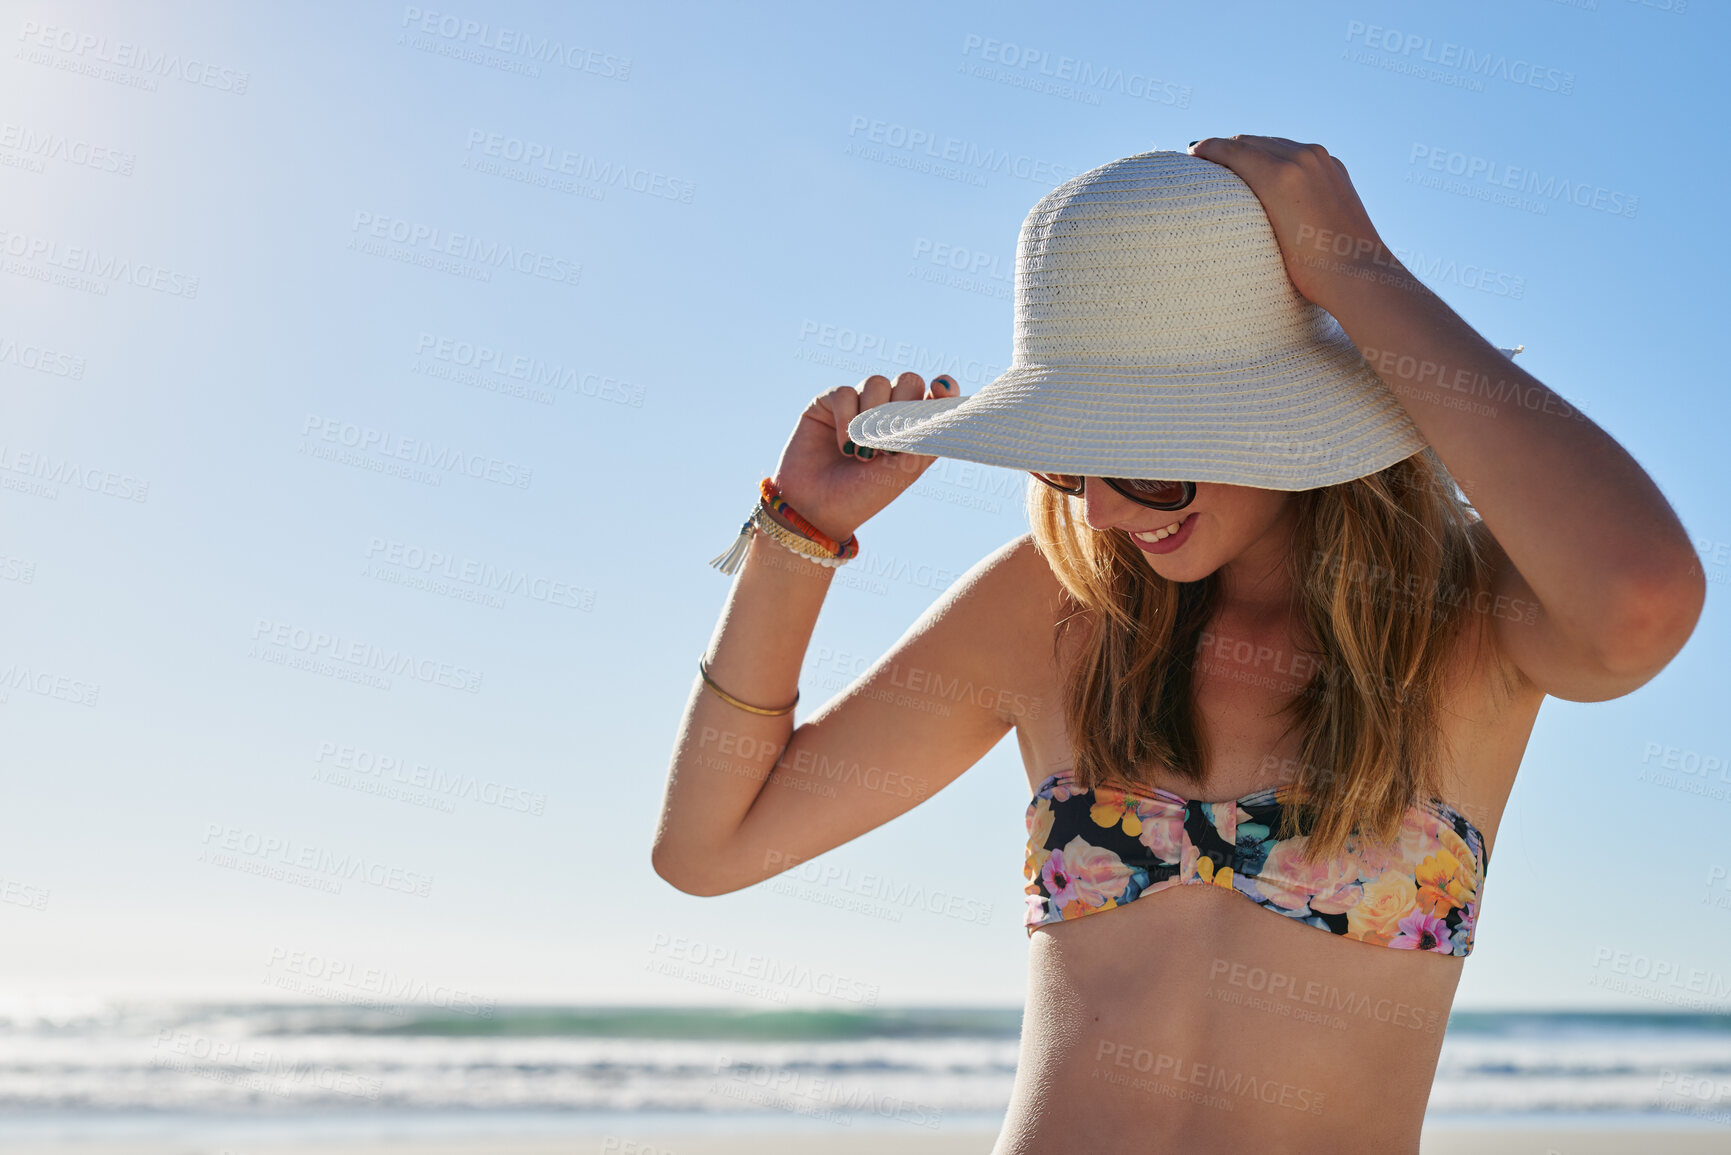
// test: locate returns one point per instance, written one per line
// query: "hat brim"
(1300, 420)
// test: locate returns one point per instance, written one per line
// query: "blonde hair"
(1383, 568)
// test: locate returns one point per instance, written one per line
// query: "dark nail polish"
(849, 448)
(866, 454)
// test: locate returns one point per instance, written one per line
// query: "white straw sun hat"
(1157, 335)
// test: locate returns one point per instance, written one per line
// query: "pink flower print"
(1420, 831)
(1082, 878)
(1163, 830)
(1468, 920)
(1374, 858)
(1187, 868)
(1225, 817)
(1039, 822)
(1421, 931)
(1327, 886)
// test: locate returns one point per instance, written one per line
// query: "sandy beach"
(1439, 1141)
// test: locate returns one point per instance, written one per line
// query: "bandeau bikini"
(1095, 850)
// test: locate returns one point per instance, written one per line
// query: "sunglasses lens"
(1068, 482)
(1167, 494)
(1161, 491)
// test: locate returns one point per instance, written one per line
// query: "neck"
(1256, 585)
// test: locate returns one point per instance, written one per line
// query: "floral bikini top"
(1093, 850)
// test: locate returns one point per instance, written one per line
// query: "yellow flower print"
(1034, 863)
(1444, 882)
(1386, 900)
(1078, 908)
(1039, 829)
(1112, 807)
(1040, 824)
(1206, 871)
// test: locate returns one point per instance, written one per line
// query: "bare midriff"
(1195, 1020)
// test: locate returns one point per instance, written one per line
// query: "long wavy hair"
(1385, 569)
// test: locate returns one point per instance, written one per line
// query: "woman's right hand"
(821, 475)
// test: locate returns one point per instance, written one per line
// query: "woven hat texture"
(1158, 335)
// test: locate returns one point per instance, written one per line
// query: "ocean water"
(315, 1070)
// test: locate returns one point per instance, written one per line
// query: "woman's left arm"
(1588, 535)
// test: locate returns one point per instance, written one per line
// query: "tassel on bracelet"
(824, 550)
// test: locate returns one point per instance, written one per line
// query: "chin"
(1176, 569)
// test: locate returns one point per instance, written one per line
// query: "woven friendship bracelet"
(803, 546)
(769, 498)
(774, 500)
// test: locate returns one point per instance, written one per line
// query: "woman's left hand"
(1325, 235)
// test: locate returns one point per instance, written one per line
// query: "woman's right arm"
(723, 754)
(748, 795)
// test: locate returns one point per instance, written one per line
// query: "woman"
(1303, 674)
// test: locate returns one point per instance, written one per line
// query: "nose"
(1104, 507)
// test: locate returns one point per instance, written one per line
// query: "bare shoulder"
(1022, 577)
(1030, 594)
(1017, 569)
(1003, 610)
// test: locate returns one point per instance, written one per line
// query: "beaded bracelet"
(783, 536)
(770, 498)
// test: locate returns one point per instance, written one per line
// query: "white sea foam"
(885, 1067)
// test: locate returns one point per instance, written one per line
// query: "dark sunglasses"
(1164, 495)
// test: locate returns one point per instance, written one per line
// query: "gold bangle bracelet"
(732, 701)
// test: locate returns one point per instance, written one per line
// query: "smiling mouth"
(1161, 534)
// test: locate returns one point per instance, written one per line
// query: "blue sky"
(327, 337)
